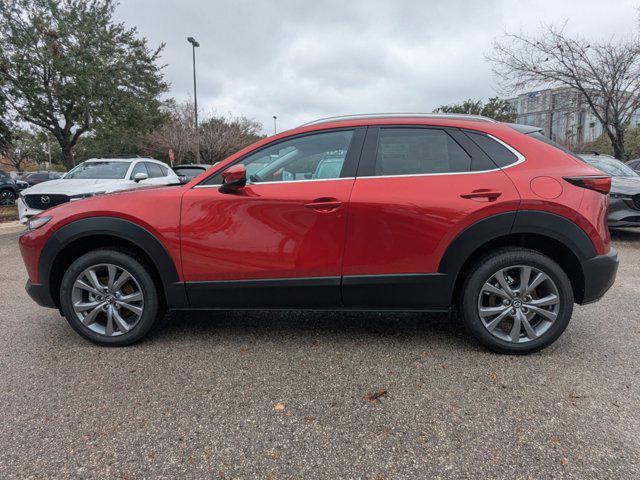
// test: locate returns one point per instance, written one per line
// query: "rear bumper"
(40, 294)
(599, 275)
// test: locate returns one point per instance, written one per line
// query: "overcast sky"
(306, 59)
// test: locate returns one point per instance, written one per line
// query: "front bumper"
(24, 212)
(623, 213)
(40, 294)
(599, 274)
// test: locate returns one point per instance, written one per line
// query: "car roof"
(121, 159)
(132, 159)
(193, 165)
(365, 117)
(596, 157)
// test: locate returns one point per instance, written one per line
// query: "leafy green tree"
(26, 148)
(5, 128)
(496, 108)
(68, 68)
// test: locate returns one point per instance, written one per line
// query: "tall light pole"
(195, 44)
(275, 130)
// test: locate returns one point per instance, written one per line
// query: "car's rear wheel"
(516, 300)
(110, 298)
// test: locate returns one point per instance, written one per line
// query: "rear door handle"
(482, 194)
(324, 204)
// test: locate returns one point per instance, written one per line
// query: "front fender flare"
(125, 229)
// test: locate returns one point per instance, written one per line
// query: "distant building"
(562, 114)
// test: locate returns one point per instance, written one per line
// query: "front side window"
(138, 168)
(311, 157)
(99, 170)
(415, 151)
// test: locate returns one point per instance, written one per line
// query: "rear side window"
(154, 170)
(500, 154)
(414, 151)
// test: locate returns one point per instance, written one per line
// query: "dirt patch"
(8, 213)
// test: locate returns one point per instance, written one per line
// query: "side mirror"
(138, 177)
(233, 179)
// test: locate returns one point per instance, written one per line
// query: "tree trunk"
(616, 137)
(618, 145)
(67, 156)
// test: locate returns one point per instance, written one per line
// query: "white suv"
(94, 177)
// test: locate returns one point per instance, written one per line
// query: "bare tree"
(176, 134)
(223, 136)
(219, 136)
(605, 74)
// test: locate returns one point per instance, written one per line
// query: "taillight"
(600, 184)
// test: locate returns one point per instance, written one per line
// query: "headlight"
(80, 196)
(37, 222)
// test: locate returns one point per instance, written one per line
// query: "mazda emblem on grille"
(45, 199)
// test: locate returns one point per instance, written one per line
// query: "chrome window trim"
(283, 181)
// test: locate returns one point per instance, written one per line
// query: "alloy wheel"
(107, 299)
(7, 197)
(518, 304)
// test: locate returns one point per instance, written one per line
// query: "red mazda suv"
(387, 212)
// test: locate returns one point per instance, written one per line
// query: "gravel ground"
(318, 395)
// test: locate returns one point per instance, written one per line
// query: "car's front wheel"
(110, 298)
(516, 300)
(7, 197)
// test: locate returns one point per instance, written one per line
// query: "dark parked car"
(188, 172)
(424, 212)
(39, 177)
(8, 189)
(635, 164)
(624, 198)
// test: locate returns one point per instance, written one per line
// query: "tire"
(7, 196)
(481, 306)
(132, 309)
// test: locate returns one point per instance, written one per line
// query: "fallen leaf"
(278, 407)
(374, 397)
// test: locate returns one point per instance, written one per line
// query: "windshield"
(99, 170)
(612, 167)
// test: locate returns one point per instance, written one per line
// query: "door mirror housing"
(234, 178)
(138, 177)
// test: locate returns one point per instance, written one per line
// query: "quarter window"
(415, 151)
(500, 154)
(311, 157)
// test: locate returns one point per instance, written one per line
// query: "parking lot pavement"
(319, 395)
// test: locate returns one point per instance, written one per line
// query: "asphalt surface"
(291, 395)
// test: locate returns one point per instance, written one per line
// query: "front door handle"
(324, 204)
(482, 194)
